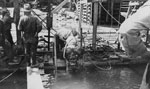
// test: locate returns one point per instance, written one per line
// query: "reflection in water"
(116, 78)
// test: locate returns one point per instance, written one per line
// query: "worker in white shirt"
(61, 36)
(130, 29)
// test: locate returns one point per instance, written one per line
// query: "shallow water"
(17, 81)
(117, 78)
(127, 77)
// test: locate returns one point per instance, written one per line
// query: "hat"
(27, 8)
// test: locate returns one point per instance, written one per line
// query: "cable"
(109, 68)
(9, 75)
(110, 16)
(109, 13)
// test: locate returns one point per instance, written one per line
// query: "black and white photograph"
(74, 44)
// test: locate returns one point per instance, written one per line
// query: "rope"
(8, 75)
(109, 13)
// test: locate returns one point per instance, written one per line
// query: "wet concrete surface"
(17, 81)
(128, 77)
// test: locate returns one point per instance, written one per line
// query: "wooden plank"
(16, 16)
(115, 63)
(80, 23)
(59, 7)
(145, 80)
(34, 80)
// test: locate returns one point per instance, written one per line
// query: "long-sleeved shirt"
(64, 33)
(30, 25)
(71, 42)
(138, 21)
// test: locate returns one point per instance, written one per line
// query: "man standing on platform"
(7, 40)
(29, 26)
(7, 20)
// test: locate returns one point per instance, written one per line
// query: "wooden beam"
(96, 0)
(145, 80)
(80, 21)
(95, 25)
(49, 22)
(112, 11)
(34, 80)
(58, 8)
(16, 16)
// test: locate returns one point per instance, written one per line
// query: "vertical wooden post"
(49, 22)
(70, 5)
(99, 14)
(112, 11)
(3, 3)
(95, 23)
(16, 16)
(80, 21)
(109, 9)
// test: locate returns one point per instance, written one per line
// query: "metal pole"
(95, 24)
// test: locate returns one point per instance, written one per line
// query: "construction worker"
(61, 36)
(6, 37)
(1, 32)
(130, 38)
(130, 29)
(72, 41)
(29, 26)
(7, 20)
(72, 48)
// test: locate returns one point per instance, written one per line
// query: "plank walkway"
(34, 80)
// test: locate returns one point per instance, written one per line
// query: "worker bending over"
(61, 36)
(131, 41)
(72, 49)
(130, 29)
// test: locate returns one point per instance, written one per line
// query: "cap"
(27, 8)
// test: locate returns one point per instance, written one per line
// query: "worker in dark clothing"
(1, 33)
(7, 20)
(29, 26)
(6, 40)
